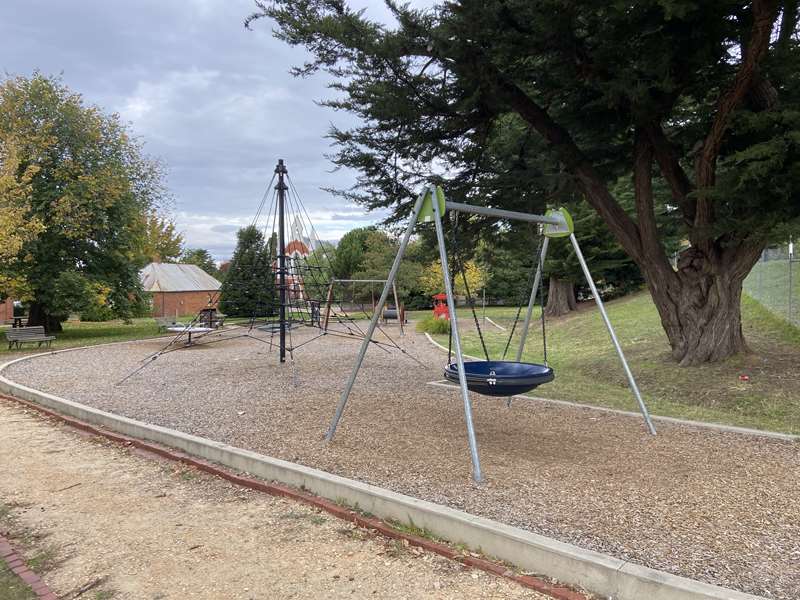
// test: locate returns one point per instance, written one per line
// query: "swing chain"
(470, 300)
(523, 294)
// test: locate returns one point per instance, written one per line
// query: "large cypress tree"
(697, 96)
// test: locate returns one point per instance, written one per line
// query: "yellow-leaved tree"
(75, 192)
(433, 282)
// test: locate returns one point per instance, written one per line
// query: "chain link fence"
(775, 282)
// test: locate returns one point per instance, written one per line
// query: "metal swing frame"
(431, 204)
(376, 307)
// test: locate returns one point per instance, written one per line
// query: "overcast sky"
(214, 101)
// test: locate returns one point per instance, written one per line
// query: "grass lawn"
(588, 370)
(12, 587)
(88, 333)
(770, 283)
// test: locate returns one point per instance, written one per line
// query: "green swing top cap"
(426, 213)
(564, 229)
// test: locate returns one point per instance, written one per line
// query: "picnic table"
(190, 330)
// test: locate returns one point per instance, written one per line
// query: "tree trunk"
(38, 316)
(560, 297)
(700, 306)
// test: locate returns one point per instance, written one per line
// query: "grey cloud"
(352, 217)
(225, 228)
(213, 100)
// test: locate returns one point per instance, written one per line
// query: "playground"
(687, 501)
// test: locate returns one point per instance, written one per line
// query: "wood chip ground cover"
(717, 507)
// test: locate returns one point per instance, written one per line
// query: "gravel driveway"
(718, 507)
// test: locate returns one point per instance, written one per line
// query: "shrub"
(434, 326)
(97, 312)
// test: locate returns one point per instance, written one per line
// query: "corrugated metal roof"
(169, 277)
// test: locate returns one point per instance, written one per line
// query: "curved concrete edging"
(787, 437)
(599, 573)
(500, 327)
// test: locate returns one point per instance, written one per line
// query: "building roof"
(169, 277)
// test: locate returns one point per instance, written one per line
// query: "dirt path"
(87, 510)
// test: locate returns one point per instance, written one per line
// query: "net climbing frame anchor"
(430, 206)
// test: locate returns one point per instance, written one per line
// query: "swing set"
(386, 312)
(493, 378)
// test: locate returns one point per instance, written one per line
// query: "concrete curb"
(500, 327)
(431, 340)
(599, 573)
(371, 523)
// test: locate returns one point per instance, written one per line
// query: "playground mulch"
(718, 507)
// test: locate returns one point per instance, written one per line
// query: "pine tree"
(249, 288)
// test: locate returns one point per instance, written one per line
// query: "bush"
(434, 326)
(97, 312)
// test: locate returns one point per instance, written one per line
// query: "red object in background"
(744, 378)
(440, 310)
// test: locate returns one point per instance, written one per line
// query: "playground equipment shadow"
(718, 507)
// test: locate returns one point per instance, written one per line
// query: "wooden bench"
(28, 335)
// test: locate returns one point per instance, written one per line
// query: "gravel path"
(718, 507)
(150, 529)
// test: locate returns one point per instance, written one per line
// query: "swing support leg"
(397, 308)
(375, 316)
(614, 340)
(536, 281)
(462, 378)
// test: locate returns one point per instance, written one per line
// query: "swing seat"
(501, 377)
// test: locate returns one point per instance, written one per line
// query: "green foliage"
(319, 271)
(161, 241)
(434, 326)
(525, 104)
(613, 270)
(82, 179)
(376, 261)
(202, 258)
(249, 289)
(350, 251)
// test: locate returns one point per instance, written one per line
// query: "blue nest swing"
(501, 377)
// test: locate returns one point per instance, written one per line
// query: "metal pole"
(596, 294)
(462, 378)
(791, 289)
(281, 187)
(397, 307)
(503, 214)
(328, 302)
(375, 315)
(537, 278)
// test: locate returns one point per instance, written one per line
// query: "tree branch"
(764, 14)
(674, 174)
(590, 182)
(643, 184)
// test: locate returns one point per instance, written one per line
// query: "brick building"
(6, 310)
(178, 290)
